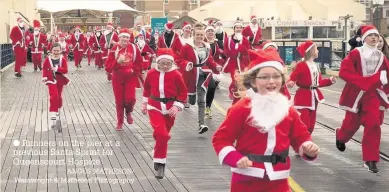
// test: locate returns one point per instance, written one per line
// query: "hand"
(333, 79)
(219, 68)
(311, 149)
(244, 162)
(121, 58)
(144, 108)
(173, 111)
(290, 84)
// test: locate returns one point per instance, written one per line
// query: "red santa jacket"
(94, 43)
(164, 85)
(308, 92)
(146, 53)
(37, 43)
(18, 37)
(188, 59)
(237, 127)
(77, 44)
(86, 44)
(57, 75)
(353, 70)
(64, 47)
(216, 53)
(107, 44)
(237, 56)
(248, 33)
(175, 44)
(132, 54)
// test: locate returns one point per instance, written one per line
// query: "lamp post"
(345, 18)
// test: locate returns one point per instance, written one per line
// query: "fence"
(6, 55)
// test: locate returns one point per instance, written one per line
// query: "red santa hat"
(186, 24)
(305, 47)
(266, 44)
(125, 32)
(238, 23)
(37, 24)
(109, 24)
(78, 28)
(253, 17)
(19, 19)
(211, 22)
(262, 58)
(98, 29)
(169, 26)
(165, 53)
(367, 30)
(210, 27)
(62, 36)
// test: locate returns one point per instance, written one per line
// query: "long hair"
(385, 48)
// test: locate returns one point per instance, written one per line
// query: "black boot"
(160, 169)
(340, 145)
(371, 166)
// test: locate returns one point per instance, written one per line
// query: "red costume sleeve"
(295, 76)
(147, 87)
(64, 66)
(182, 63)
(299, 134)
(212, 64)
(349, 74)
(244, 46)
(182, 90)
(227, 51)
(110, 62)
(324, 82)
(46, 68)
(225, 136)
(137, 65)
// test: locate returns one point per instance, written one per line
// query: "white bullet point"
(16, 143)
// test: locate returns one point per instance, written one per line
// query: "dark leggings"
(211, 92)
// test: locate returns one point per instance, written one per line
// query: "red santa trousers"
(371, 118)
(20, 54)
(162, 124)
(98, 60)
(123, 84)
(89, 55)
(260, 185)
(37, 60)
(55, 92)
(233, 87)
(77, 57)
(308, 117)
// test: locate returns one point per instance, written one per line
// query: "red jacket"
(248, 33)
(146, 53)
(18, 37)
(237, 58)
(58, 75)
(78, 44)
(175, 44)
(134, 63)
(37, 43)
(173, 87)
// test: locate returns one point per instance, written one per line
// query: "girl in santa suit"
(262, 125)
(197, 66)
(235, 49)
(308, 78)
(364, 97)
(164, 96)
(215, 51)
(124, 62)
(54, 72)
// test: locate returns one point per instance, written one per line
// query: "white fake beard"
(63, 44)
(21, 24)
(254, 28)
(238, 36)
(267, 110)
(219, 30)
(36, 32)
(98, 34)
(141, 43)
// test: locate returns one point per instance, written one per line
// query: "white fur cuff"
(178, 104)
(224, 152)
(383, 78)
(189, 66)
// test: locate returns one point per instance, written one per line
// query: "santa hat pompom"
(358, 39)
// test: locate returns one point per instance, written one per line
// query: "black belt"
(163, 100)
(310, 88)
(198, 65)
(274, 158)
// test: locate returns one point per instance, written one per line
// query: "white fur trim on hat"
(209, 27)
(371, 31)
(124, 34)
(270, 44)
(238, 24)
(274, 64)
(310, 47)
(187, 25)
(164, 57)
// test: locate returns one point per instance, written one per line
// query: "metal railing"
(6, 55)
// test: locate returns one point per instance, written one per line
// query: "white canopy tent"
(100, 5)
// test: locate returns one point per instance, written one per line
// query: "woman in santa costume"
(94, 43)
(235, 49)
(124, 62)
(308, 78)
(54, 72)
(145, 51)
(197, 65)
(186, 33)
(169, 39)
(164, 96)
(364, 97)
(253, 31)
(216, 55)
(37, 43)
(262, 125)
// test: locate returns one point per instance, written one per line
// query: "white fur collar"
(367, 50)
(254, 28)
(267, 111)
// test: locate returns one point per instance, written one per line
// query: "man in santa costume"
(364, 97)
(96, 47)
(108, 40)
(255, 136)
(64, 46)
(88, 51)
(235, 49)
(164, 96)
(145, 51)
(196, 64)
(169, 39)
(253, 31)
(220, 34)
(18, 38)
(37, 43)
(124, 62)
(308, 78)
(77, 41)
